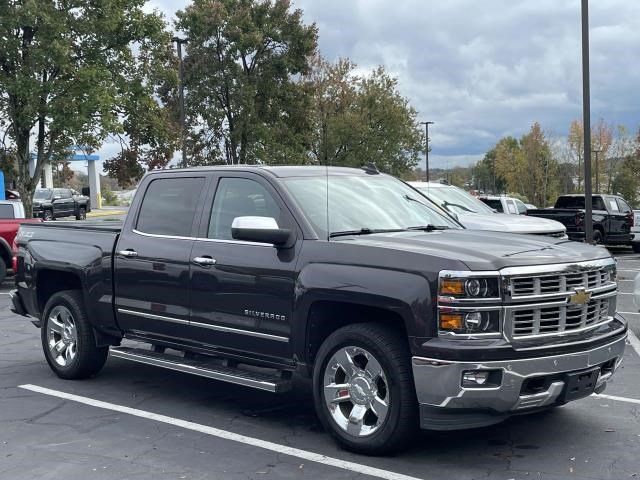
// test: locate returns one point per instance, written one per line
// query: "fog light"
(474, 378)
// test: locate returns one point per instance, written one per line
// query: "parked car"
(398, 315)
(476, 215)
(52, 203)
(635, 231)
(612, 216)
(504, 204)
(11, 217)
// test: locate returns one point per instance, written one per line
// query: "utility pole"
(426, 152)
(597, 171)
(586, 122)
(183, 128)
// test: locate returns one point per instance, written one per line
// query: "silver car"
(475, 215)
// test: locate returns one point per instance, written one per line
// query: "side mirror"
(259, 229)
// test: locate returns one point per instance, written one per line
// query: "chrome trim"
(240, 331)
(558, 267)
(468, 273)
(480, 308)
(445, 299)
(469, 336)
(202, 239)
(219, 328)
(564, 333)
(551, 296)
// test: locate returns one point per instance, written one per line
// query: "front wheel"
(363, 388)
(47, 215)
(598, 239)
(82, 213)
(67, 337)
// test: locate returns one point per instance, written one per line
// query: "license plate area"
(580, 384)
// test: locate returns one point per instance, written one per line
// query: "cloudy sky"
(484, 69)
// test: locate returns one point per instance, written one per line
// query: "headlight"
(474, 287)
(469, 322)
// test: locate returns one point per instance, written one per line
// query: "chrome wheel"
(356, 391)
(62, 336)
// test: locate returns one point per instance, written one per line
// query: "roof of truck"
(277, 171)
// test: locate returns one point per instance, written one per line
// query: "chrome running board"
(204, 368)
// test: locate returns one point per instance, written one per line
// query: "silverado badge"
(579, 297)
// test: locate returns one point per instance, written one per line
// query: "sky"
(483, 69)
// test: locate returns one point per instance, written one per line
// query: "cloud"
(484, 69)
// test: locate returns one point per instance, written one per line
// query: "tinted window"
(495, 204)
(624, 206)
(578, 203)
(239, 197)
(169, 205)
(6, 211)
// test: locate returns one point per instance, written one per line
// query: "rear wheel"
(82, 213)
(598, 239)
(67, 338)
(363, 389)
(47, 215)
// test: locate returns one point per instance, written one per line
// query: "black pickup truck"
(612, 218)
(52, 203)
(399, 316)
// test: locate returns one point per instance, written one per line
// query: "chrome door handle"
(204, 261)
(129, 253)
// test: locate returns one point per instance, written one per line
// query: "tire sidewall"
(598, 239)
(47, 215)
(369, 443)
(82, 214)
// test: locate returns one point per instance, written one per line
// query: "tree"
(69, 76)
(358, 119)
(627, 180)
(243, 102)
(576, 146)
(485, 175)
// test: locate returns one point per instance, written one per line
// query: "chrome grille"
(558, 283)
(541, 320)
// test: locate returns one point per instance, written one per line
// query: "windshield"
(363, 204)
(455, 200)
(43, 194)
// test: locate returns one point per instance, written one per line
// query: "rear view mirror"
(259, 229)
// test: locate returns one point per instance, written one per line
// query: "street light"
(426, 152)
(183, 128)
(586, 123)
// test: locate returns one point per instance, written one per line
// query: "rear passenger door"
(153, 255)
(618, 229)
(243, 303)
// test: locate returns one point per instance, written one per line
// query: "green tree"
(69, 75)
(358, 119)
(627, 180)
(243, 102)
(485, 177)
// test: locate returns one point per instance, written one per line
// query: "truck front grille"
(558, 283)
(557, 319)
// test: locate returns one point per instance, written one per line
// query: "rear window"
(577, 203)
(495, 204)
(169, 205)
(6, 211)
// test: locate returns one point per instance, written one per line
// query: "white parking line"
(634, 342)
(619, 399)
(629, 313)
(255, 442)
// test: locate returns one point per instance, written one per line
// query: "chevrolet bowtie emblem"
(580, 297)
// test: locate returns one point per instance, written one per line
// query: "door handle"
(205, 261)
(128, 253)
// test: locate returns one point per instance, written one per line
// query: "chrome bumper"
(441, 395)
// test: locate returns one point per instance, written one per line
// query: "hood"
(502, 222)
(480, 250)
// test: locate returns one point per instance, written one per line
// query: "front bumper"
(446, 405)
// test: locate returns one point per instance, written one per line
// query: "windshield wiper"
(429, 228)
(364, 231)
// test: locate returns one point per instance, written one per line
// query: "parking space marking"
(224, 434)
(633, 341)
(618, 399)
(629, 313)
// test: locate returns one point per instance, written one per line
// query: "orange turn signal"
(451, 321)
(451, 286)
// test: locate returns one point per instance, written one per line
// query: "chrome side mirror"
(260, 230)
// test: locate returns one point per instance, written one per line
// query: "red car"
(11, 216)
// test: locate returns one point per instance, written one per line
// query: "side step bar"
(203, 368)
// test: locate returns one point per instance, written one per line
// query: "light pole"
(183, 128)
(426, 152)
(586, 123)
(597, 170)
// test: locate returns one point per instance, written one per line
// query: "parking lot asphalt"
(137, 421)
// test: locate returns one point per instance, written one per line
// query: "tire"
(636, 247)
(82, 213)
(598, 239)
(3, 270)
(47, 215)
(370, 348)
(67, 338)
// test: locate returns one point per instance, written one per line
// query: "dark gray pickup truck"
(401, 317)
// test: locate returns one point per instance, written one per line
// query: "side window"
(522, 208)
(511, 206)
(624, 206)
(57, 192)
(598, 203)
(66, 193)
(169, 205)
(6, 211)
(239, 197)
(613, 205)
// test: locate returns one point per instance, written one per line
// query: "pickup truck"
(400, 317)
(612, 218)
(504, 204)
(52, 203)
